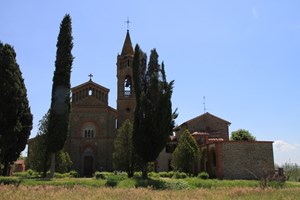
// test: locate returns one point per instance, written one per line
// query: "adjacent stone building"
(221, 158)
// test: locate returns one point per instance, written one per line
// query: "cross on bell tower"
(127, 22)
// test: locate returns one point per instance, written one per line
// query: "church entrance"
(88, 163)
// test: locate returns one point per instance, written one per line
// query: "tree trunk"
(52, 165)
(5, 169)
(45, 165)
(145, 170)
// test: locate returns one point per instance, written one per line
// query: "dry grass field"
(9, 192)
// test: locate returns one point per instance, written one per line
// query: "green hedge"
(203, 175)
(9, 181)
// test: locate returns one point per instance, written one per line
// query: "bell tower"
(126, 95)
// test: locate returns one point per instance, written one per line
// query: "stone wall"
(163, 161)
(246, 160)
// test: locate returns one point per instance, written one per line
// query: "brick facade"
(247, 159)
(92, 129)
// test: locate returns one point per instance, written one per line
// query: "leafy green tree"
(242, 135)
(63, 161)
(124, 156)
(186, 154)
(292, 172)
(15, 114)
(60, 102)
(153, 118)
(37, 151)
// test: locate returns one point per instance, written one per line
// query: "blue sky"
(242, 55)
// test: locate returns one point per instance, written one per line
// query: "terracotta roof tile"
(215, 139)
(200, 133)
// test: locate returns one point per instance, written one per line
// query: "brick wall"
(246, 160)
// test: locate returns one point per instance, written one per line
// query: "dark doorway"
(88, 166)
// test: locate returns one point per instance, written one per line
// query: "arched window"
(88, 131)
(127, 86)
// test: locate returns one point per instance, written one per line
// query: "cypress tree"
(186, 154)
(60, 101)
(15, 114)
(153, 118)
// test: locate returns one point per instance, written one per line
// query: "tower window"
(90, 92)
(127, 86)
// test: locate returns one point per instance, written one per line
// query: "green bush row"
(177, 175)
(9, 181)
(33, 174)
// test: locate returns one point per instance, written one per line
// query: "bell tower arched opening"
(127, 85)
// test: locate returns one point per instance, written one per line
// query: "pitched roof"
(127, 47)
(204, 115)
(90, 82)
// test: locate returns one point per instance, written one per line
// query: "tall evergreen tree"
(186, 154)
(153, 120)
(15, 114)
(60, 102)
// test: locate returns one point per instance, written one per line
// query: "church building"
(93, 125)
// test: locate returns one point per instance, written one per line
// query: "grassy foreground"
(10, 192)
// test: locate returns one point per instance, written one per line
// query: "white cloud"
(255, 13)
(282, 146)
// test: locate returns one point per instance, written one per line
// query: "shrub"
(74, 174)
(183, 175)
(59, 175)
(163, 174)
(178, 175)
(29, 172)
(101, 175)
(153, 174)
(137, 174)
(20, 174)
(203, 175)
(10, 181)
(114, 179)
(170, 174)
(111, 182)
